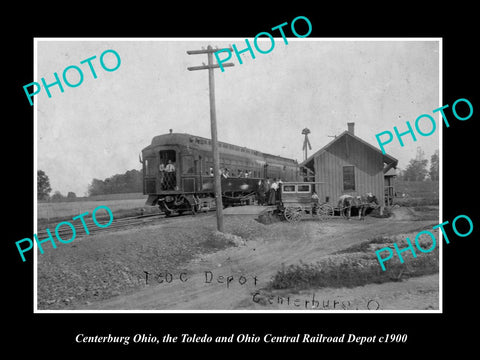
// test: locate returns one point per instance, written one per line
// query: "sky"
(99, 128)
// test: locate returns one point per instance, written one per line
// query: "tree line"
(418, 170)
(129, 182)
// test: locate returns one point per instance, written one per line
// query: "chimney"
(351, 128)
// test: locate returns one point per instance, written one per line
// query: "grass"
(364, 246)
(120, 196)
(376, 213)
(415, 201)
(357, 266)
(418, 189)
(417, 193)
(66, 210)
(425, 212)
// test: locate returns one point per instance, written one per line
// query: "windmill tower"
(420, 154)
(306, 142)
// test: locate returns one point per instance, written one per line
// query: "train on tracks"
(178, 172)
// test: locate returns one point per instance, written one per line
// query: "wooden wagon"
(299, 200)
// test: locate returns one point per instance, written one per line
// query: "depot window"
(348, 178)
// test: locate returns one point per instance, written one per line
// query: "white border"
(311, 312)
(440, 173)
(35, 168)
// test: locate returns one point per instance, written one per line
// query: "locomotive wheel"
(292, 214)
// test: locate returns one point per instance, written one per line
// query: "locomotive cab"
(160, 171)
(171, 174)
(167, 171)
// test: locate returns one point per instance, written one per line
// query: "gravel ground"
(100, 266)
(107, 270)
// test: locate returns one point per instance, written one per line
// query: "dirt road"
(230, 279)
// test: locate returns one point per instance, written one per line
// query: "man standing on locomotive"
(170, 175)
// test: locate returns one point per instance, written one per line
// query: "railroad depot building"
(350, 165)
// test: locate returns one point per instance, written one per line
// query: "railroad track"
(65, 231)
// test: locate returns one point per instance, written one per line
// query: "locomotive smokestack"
(351, 128)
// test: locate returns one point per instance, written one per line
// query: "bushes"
(418, 189)
(387, 212)
(417, 193)
(220, 241)
(357, 266)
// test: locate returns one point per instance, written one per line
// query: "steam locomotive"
(178, 172)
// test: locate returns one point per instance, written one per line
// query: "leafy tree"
(57, 196)
(416, 170)
(96, 188)
(434, 166)
(400, 174)
(129, 182)
(71, 195)
(43, 185)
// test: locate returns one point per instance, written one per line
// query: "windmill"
(306, 142)
(420, 154)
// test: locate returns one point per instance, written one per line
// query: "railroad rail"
(65, 232)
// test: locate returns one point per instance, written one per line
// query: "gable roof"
(391, 172)
(387, 159)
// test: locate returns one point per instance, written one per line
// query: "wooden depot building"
(350, 165)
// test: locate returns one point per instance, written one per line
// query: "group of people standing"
(226, 173)
(269, 192)
(167, 175)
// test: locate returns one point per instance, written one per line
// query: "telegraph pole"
(213, 123)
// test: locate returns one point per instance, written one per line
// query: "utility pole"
(213, 123)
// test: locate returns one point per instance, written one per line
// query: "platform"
(245, 210)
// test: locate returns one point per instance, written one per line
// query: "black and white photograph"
(219, 177)
(311, 206)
